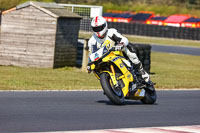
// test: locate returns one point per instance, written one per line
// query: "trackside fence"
(156, 30)
(148, 30)
(87, 12)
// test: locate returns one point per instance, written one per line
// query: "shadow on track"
(127, 102)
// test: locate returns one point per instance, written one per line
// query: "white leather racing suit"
(115, 38)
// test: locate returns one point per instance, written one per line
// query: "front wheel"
(150, 97)
(115, 95)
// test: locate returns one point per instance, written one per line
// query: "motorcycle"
(118, 78)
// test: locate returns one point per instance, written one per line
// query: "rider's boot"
(141, 72)
(137, 65)
(145, 76)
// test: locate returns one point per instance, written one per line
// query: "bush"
(7, 4)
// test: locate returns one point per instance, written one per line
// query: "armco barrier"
(156, 30)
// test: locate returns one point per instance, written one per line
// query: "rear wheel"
(150, 97)
(114, 94)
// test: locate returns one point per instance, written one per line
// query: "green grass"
(163, 41)
(171, 71)
(152, 40)
(17, 78)
(175, 71)
(7, 4)
(158, 9)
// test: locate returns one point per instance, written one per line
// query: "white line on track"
(170, 129)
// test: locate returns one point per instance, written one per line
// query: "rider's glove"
(89, 69)
(119, 47)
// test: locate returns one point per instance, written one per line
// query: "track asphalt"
(176, 49)
(45, 111)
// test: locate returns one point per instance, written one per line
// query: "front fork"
(113, 76)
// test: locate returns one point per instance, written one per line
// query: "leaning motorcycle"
(118, 78)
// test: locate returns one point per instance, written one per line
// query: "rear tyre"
(115, 95)
(150, 97)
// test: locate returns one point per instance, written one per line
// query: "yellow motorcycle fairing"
(116, 57)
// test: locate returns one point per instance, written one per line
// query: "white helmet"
(99, 26)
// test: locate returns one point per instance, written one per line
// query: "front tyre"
(115, 95)
(150, 97)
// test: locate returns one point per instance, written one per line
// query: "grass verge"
(17, 78)
(171, 71)
(175, 70)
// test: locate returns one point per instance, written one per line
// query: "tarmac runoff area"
(91, 111)
(176, 49)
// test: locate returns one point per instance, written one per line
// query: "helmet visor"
(99, 28)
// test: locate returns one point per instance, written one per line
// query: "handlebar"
(112, 49)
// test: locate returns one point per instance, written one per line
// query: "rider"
(102, 33)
